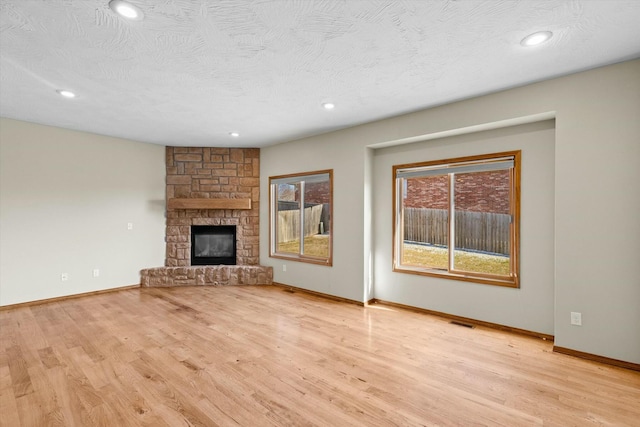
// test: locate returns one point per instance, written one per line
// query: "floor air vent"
(466, 325)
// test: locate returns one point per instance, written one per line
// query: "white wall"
(65, 200)
(596, 226)
(345, 277)
(531, 306)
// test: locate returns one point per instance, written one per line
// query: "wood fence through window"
(289, 223)
(480, 231)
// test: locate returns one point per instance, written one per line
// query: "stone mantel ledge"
(206, 275)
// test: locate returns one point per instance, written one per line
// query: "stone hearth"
(211, 275)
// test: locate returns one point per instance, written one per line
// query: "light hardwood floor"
(262, 356)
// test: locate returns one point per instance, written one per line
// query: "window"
(301, 205)
(459, 218)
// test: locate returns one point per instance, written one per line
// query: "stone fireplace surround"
(204, 173)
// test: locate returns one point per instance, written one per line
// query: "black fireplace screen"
(213, 244)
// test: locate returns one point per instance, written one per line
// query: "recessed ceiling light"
(234, 134)
(328, 105)
(126, 10)
(536, 38)
(66, 93)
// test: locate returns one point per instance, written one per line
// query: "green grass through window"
(317, 245)
(434, 257)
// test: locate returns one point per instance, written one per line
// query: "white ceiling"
(194, 70)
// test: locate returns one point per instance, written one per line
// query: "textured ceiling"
(194, 70)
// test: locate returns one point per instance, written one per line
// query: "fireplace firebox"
(213, 244)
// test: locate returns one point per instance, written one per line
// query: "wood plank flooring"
(261, 356)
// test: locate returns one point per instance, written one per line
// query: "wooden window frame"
(273, 253)
(513, 280)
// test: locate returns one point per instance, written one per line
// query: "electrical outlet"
(129, 226)
(96, 272)
(576, 318)
(64, 277)
(284, 267)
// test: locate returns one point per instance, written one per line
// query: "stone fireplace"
(207, 188)
(219, 174)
